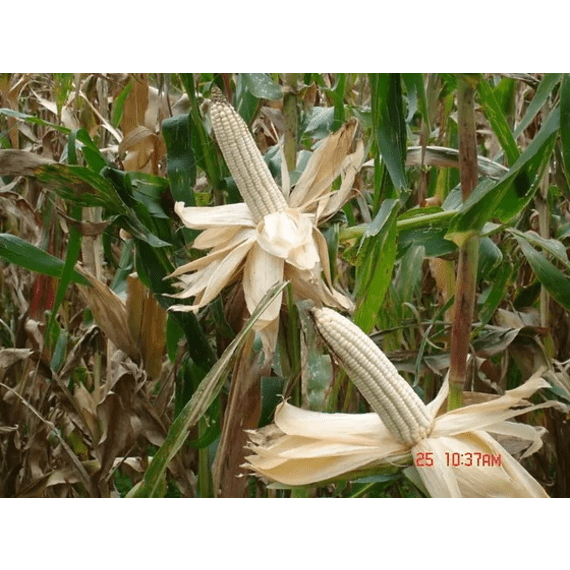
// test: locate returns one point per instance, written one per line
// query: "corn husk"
(306, 448)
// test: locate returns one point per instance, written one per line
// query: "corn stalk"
(469, 251)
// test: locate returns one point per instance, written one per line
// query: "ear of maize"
(249, 170)
(389, 395)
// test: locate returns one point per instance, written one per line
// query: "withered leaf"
(146, 320)
(110, 313)
(20, 162)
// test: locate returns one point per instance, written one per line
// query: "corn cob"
(251, 174)
(388, 394)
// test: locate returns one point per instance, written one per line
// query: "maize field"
(297, 285)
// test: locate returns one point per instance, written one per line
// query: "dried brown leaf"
(242, 413)
(147, 324)
(9, 356)
(20, 162)
(133, 140)
(136, 104)
(10, 88)
(117, 431)
(124, 414)
(78, 351)
(443, 271)
(110, 313)
(67, 118)
(106, 125)
(38, 488)
(86, 403)
(13, 205)
(49, 427)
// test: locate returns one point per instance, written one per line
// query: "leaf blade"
(374, 274)
(19, 252)
(555, 282)
(498, 121)
(389, 125)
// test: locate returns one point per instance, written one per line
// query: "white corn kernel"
(388, 394)
(249, 170)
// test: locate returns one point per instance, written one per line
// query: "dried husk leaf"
(336, 200)
(324, 166)
(216, 256)
(207, 284)
(306, 447)
(205, 217)
(262, 271)
(67, 476)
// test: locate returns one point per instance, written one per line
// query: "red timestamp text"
(467, 459)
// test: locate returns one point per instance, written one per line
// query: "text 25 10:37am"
(467, 459)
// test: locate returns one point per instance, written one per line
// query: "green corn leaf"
(553, 246)
(73, 246)
(389, 125)
(181, 164)
(490, 257)
(554, 280)
(173, 335)
(417, 99)
(204, 150)
(410, 273)
(375, 264)
(489, 300)
(147, 190)
(245, 102)
(565, 123)
(80, 185)
(433, 240)
(272, 390)
(320, 123)
(94, 158)
(188, 379)
(498, 121)
(505, 92)
(505, 198)
(153, 267)
(34, 120)
(336, 95)
(331, 235)
(139, 194)
(543, 93)
(19, 252)
(426, 336)
(77, 184)
(119, 105)
(261, 86)
(59, 351)
(138, 230)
